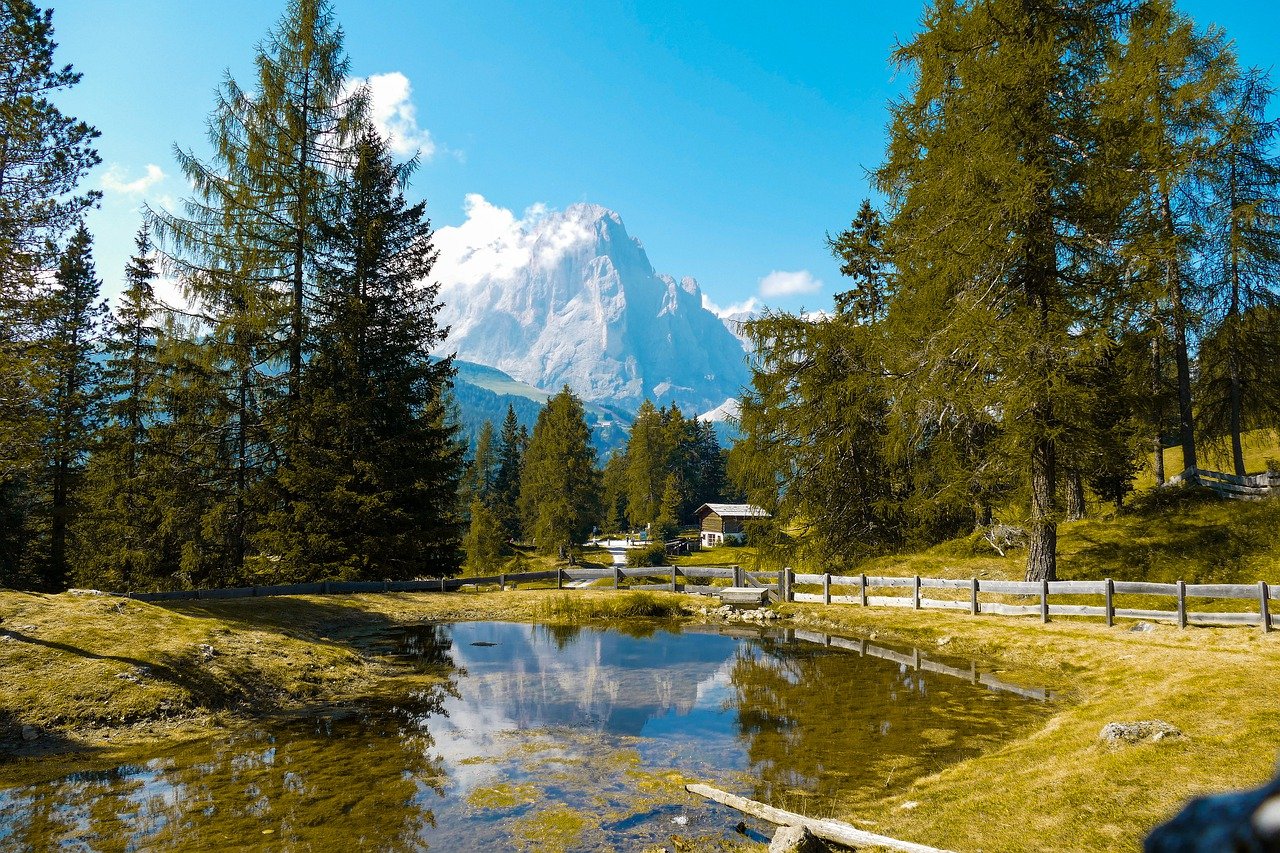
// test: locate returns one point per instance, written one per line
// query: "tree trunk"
(1173, 281)
(1042, 551)
(1158, 401)
(1075, 495)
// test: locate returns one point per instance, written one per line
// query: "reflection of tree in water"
(844, 728)
(363, 782)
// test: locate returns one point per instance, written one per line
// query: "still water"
(547, 739)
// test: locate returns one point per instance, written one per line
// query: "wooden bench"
(753, 596)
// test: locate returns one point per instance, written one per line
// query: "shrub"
(650, 555)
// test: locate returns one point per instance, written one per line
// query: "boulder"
(1118, 734)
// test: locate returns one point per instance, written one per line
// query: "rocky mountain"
(571, 298)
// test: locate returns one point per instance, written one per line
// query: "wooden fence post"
(862, 584)
(1044, 601)
(502, 582)
(617, 573)
(790, 577)
(1182, 604)
(673, 579)
(1264, 606)
(1111, 606)
(737, 577)
(826, 587)
(559, 578)
(973, 597)
(442, 589)
(915, 598)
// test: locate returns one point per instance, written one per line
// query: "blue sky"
(730, 137)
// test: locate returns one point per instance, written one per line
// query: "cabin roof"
(731, 511)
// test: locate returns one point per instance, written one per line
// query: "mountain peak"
(569, 297)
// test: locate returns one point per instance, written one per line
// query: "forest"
(1070, 263)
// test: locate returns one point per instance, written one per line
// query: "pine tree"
(478, 479)
(864, 259)
(559, 485)
(648, 455)
(1239, 378)
(74, 406)
(371, 490)
(121, 546)
(44, 155)
(506, 478)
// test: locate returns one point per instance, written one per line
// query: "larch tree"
(1239, 376)
(1161, 95)
(993, 220)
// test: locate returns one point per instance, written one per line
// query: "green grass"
(573, 607)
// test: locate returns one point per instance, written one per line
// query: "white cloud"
(494, 244)
(781, 283)
(114, 181)
(738, 309)
(393, 112)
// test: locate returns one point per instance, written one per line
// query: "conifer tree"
(994, 218)
(648, 457)
(371, 490)
(44, 155)
(1239, 376)
(1161, 96)
(559, 484)
(506, 478)
(478, 479)
(484, 543)
(74, 404)
(120, 546)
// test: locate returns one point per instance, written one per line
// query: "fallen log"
(828, 830)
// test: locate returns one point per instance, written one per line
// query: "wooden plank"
(997, 684)
(889, 601)
(845, 580)
(944, 583)
(652, 587)
(742, 594)
(1009, 609)
(891, 582)
(943, 669)
(890, 655)
(943, 604)
(1076, 610)
(810, 597)
(1221, 590)
(1009, 587)
(809, 579)
(707, 571)
(1224, 619)
(1077, 587)
(1169, 615)
(826, 829)
(1141, 588)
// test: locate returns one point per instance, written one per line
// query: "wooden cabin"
(724, 522)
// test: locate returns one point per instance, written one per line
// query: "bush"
(650, 555)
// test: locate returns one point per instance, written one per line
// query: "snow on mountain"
(730, 411)
(558, 298)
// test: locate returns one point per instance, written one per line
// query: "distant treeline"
(1076, 264)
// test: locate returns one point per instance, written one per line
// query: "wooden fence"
(1250, 487)
(966, 595)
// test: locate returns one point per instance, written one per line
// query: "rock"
(1247, 821)
(30, 733)
(795, 839)
(208, 652)
(1116, 734)
(1142, 628)
(942, 641)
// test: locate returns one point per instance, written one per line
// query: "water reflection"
(532, 720)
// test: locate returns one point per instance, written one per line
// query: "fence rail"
(1249, 487)
(838, 589)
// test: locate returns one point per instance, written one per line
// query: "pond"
(549, 739)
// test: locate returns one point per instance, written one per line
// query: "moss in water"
(503, 796)
(553, 829)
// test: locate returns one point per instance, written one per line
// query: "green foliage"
(559, 483)
(626, 605)
(649, 555)
(370, 489)
(484, 543)
(506, 479)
